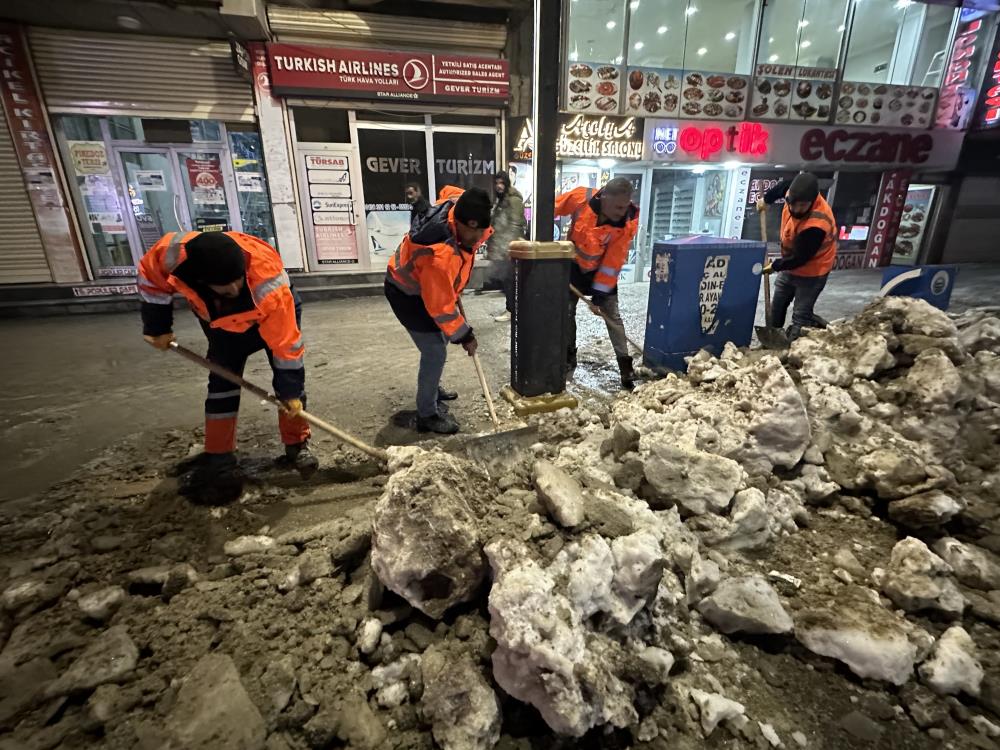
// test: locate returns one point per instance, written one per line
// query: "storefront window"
(807, 33)
(656, 33)
(687, 202)
(251, 184)
(465, 160)
(125, 129)
(720, 36)
(321, 125)
(597, 31)
(902, 43)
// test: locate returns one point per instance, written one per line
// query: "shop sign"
(89, 157)
(374, 74)
(957, 95)
(241, 60)
(988, 116)
(334, 233)
(747, 141)
(843, 147)
(588, 137)
(114, 290)
(888, 211)
(336, 243)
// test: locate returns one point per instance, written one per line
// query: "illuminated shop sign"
(957, 96)
(750, 139)
(586, 137)
(989, 109)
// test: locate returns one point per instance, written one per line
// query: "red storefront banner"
(304, 70)
(888, 212)
(205, 179)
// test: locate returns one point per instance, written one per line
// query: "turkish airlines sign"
(336, 73)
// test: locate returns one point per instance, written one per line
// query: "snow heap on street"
(791, 549)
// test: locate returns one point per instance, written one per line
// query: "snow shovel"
(600, 313)
(232, 377)
(769, 336)
(499, 443)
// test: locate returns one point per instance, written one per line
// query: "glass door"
(208, 190)
(151, 181)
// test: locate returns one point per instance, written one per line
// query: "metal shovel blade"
(772, 338)
(498, 445)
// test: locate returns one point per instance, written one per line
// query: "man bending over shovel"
(237, 287)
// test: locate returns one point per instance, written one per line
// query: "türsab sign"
(305, 70)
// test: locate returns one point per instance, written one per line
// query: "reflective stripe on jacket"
(821, 217)
(599, 247)
(273, 305)
(430, 264)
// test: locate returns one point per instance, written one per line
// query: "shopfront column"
(277, 161)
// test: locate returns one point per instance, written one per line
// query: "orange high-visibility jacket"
(273, 305)
(821, 217)
(430, 264)
(602, 248)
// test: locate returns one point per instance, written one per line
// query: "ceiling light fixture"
(805, 44)
(691, 10)
(841, 28)
(610, 25)
(702, 50)
(662, 30)
(634, 5)
(803, 23)
(730, 36)
(639, 45)
(773, 58)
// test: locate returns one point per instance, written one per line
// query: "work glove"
(470, 345)
(598, 298)
(161, 342)
(761, 206)
(292, 407)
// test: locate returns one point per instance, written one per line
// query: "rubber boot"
(442, 424)
(302, 458)
(444, 395)
(628, 373)
(215, 480)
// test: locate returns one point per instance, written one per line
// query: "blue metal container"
(930, 283)
(702, 293)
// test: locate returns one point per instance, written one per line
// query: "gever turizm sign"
(333, 72)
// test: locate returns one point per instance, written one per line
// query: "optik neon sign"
(747, 139)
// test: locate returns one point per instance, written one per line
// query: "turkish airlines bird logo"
(415, 74)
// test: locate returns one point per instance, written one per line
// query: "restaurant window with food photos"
(806, 33)
(899, 43)
(596, 31)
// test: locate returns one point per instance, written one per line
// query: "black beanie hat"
(215, 258)
(474, 205)
(805, 187)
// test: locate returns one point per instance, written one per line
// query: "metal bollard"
(538, 332)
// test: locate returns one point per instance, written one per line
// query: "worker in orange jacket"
(808, 251)
(237, 287)
(423, 282)
(604, 224)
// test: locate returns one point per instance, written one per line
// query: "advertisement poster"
(108, 223)
(89, 157)
(205, 179)
(249, 182)
(888, 212)
(151, 179)
(913, 224)
(335, 243)
(389, 160)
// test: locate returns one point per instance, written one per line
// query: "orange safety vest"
(274, 306)
(602, 248)
(437, 272)
(820, 216)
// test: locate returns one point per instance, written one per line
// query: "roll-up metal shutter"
(344, 28)
(148, 76)
(22, 258)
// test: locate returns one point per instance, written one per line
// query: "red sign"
(20, 100)
(372, 74)
(951, 103)
(989, 116)
(836, 146)
(888, 211)
(749, 139)
(205, 179)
